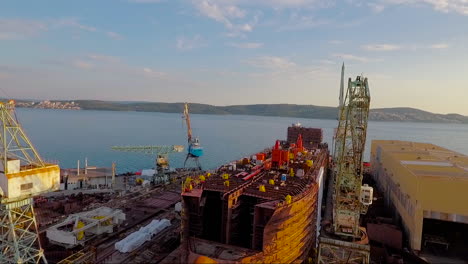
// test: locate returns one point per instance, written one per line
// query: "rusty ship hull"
(261, 210)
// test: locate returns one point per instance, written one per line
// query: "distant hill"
(414, 115)
(402, 114)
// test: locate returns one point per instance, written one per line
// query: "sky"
(229, 52)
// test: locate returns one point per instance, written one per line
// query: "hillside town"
(71, 105)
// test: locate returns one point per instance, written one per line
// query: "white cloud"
(225, 12)
(234, 12)
(439, 46)
(153, 73)
(239, 16)
(271, 62)
(245, 27)
(246, 45)
(71, 22)
(457, 6)
(214, 11)
(81, 64)
(114, 35)
(381, 47)
(376, 8)
(352, 57)
(189, 43)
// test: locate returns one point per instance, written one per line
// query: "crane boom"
(187, 122)
(194, 149)
(150, 149)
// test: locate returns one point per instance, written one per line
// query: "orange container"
(261, 156)
(285, 156)
(276, 155)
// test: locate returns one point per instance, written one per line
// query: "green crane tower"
(345, 241)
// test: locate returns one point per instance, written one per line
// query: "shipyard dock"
(259, 209)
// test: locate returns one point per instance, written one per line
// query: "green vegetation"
(284, 110)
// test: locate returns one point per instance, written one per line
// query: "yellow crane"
(161, 160)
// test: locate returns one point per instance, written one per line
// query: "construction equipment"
(346, 241)
(23, 174)
(194, 149)
(79, 228)
(161, 160)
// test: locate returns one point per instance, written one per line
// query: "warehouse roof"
(425, 159)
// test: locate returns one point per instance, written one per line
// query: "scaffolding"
(23, 174)
(19, 242)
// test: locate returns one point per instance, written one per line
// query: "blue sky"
(225, 52)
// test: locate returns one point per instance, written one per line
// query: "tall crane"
(346, 241)
(23, 174)
(162, 156)
(194, 149)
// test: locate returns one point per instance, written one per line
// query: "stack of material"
(138, 238)
(310, 136)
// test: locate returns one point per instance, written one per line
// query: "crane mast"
(23, 175)
(194, 149)
(187, 122)
(349, 150)
(345, 241)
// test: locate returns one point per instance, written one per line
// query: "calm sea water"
(67, 136)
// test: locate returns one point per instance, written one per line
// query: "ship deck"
(294, 185)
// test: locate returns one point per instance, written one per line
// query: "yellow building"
(425, 184)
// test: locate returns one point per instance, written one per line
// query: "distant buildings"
(50, 105)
